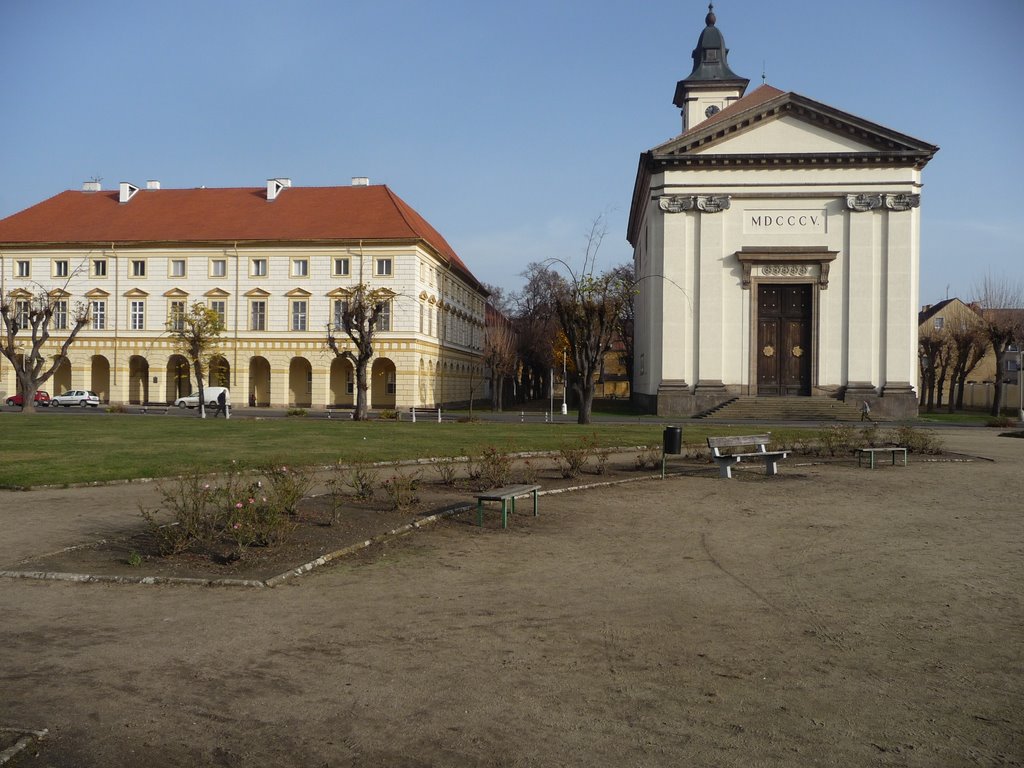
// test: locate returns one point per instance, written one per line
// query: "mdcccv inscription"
(785, 222)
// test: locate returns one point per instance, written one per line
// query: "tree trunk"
(361, 411)
(997, 398)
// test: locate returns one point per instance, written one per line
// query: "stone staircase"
(784, 409)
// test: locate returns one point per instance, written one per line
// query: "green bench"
(507, 496)
(870, 452)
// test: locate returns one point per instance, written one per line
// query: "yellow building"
(277, 263)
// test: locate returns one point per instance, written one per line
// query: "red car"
(42, 398)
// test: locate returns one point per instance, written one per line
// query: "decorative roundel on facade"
(798, 351)
(785, 270)
(768, 350)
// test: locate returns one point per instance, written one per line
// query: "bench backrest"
(738, 441)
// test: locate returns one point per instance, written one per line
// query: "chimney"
(127, 192)
(276, 186)
(360, 181)
(92, 186)
(152, 184)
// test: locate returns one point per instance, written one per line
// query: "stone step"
(786, 409)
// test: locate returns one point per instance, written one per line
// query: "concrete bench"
(870, 453)
(726, 461)
(507, 496)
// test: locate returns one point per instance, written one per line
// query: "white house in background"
(777, 244)
(277, 262)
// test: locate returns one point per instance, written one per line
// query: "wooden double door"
(784, 338)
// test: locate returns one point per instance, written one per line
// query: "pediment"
(216, 293)
(257, 293)
(298, 293)
(176, 293)
(136, 293)
(58, 293)
(340, 293)
(96, 293)
(790, 125)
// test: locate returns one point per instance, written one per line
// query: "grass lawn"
(75, 449)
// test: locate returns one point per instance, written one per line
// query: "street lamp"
(1020, 383)
(565, 407)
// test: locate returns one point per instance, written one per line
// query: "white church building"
(777, 247)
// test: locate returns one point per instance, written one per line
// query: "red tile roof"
(297, 215)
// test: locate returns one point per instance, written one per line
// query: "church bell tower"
(711, 86)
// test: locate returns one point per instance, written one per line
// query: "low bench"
(725, 461)
(507, 496)
(870, 452)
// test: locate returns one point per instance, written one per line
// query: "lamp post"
(565, 407)
(1020, 382)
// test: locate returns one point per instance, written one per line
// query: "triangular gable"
(176, 293)
(748, 127)
(298, 293)
(96, 293)
(257, 293)
(136, 293)
(339, 293)
(216, 293)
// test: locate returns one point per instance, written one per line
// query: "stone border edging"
(27, 738)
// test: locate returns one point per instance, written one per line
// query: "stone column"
(862, 294)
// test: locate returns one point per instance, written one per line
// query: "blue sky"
(509, 126)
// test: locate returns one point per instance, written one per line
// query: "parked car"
(76, 397)
(42, 398)
(210, 393)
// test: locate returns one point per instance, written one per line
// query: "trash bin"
(673, 440)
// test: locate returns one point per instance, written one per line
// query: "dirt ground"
(829, 616)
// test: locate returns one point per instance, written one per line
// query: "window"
(391, 383)
(219, 307)
(383, 267)
(341, 267)
(24, 268)
(939, 323)
(99, 315)
(138, 267)
(258, 316)
(176, 316)
(300, 267)
(218, 268)
(60, 315)
(22, 308)
(340, 308)
(259, 268)
(177, 268)
(384, 323)
(99, 267)
(350, 385)
(60, 268)
(299, 314)
(137, 315)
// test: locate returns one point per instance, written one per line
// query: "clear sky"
(509, 126)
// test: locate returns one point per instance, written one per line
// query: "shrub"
(528, 472)
(295, 412)
(572, 459)
(1001, 421)
(649, 458)
(495, 467)
(601, 456)
(401, 491)
(837, 439)
(117, 408)
(363, 480)
(286, 486)
(389, 414)
(445, 466)
(916, 440)
(870, 436)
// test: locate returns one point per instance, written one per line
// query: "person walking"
(865, 412)
(222, 405)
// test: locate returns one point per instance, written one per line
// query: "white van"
(210, 393)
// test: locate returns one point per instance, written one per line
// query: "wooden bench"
(725, 461)
(507, 496)
(870, 452)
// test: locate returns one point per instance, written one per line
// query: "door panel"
(784, 339)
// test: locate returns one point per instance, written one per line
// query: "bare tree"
(196, 334)
(967, 347)
(535, 324)
(1002, 313)
(625, 281)
(499, 353)
(587, 306)
(40, 312)
(359, 318)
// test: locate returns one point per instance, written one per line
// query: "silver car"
(80, 397)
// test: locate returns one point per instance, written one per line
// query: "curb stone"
(27, 737)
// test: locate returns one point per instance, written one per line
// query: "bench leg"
(504, 513)
(535, 504)
(771, 467)
(480, 513)
(725, 467)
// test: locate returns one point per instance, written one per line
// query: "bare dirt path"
(828, 616)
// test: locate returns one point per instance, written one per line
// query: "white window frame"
(98, 314)
(223, 263)
(259, 267)
(61, 268)
(176, 315)
(384, 322)
(253, 325)
(340, 307)
(98, 268)
(299, 315)
(137, 314)
(60, 315)
(138, 267)
(24, 267)
(384, 266)
(220, 307)
(22, 310)
(173, 266)
(300, 267)
(344, 263)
